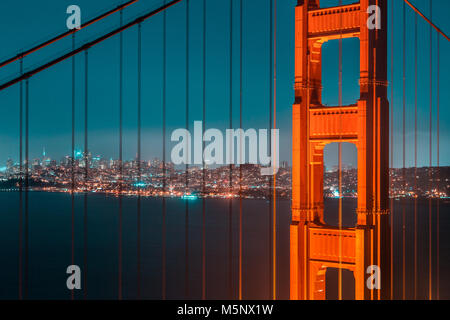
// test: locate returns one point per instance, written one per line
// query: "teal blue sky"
(27, 22)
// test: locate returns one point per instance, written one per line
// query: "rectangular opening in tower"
(349, 184)
(350, 72)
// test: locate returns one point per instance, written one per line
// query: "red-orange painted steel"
(314, 245)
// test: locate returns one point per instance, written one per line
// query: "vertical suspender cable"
(392, 151)
(27, 184)
(430, 176)
(186, 224)
(139, 158)
(404, 157)
(270, 235)
(119, 284)
(438, 169)
(203, 160)
(240, 165)
(20, 184)
(415, 157)
(86, 171)
(230, 186)
(375, 204)
(340, 161)
(274, 192)
(73, 162)
(164, 155)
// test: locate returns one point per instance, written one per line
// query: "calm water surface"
(49, 247)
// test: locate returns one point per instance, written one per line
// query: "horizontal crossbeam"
(335, 22)
(324, 245)
(334, 123)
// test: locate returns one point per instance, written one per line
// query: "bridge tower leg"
(366, 124)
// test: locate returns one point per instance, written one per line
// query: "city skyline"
(50, 100)
(109, 176)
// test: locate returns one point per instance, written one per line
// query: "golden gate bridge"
(314, 246)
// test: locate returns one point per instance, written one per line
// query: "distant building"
(9, 164)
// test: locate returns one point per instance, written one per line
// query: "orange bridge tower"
(315, 246)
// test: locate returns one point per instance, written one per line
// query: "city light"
(189, 197)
